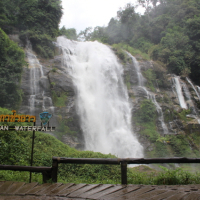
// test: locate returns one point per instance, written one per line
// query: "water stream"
(101, 97)
(179, 92)
(38, 101)
(193, 87)
(149, 95)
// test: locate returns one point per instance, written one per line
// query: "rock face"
(57, 93)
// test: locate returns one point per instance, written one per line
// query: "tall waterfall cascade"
(179, 92)
(101, 96)
(38, 99)
(197, 93)
(184, 97)
(149, 95)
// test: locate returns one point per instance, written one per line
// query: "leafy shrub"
(11, 65)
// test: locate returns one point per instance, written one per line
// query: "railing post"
(46, 176)
(54, 172)
(124, 173)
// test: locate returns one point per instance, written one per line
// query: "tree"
(127, 17)
(113, 31)
(86, 34)
(11, 63)
(69, 33)
(99, 34)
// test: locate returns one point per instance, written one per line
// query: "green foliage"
(168, 32)
(59, 101)
(182, 114)
(180, 146)
(99, 34)
(54, 69)
(41, 43)
(147, 111)
(37, 20)
(11, 64)
(142, 44)
(69, 33)
(120, 52)
(15, 149)
(151, 77)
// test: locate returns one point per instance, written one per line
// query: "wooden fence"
(52, 172)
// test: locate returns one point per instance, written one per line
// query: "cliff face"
(159, 119)
(174, 131)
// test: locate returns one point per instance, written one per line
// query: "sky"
(80, 14)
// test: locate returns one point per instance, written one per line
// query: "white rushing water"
(179, 92)
(102, 99)
(193, 87)
(149, 95)
(37, 93)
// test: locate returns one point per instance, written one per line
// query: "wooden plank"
(5, 186)
(26, 188)
(60, 188)
(192, 196)
(97, 189)
(31, 197)
(78, 193)
(151, 194)
(136, 193)
(38, 188)
(48, 189)
(122, 192)
(71, 189)
(106, 192)
(1, 183)
(164, 195)
(14, 187)
(178, 196)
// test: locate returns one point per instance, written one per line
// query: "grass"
(47, 146)
(131, 50)
(15, 149)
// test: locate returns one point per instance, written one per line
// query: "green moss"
(120, 53)
(127, 81)
(59, 101)
(182, 115)
(147, 111)
(151, 77)
(180, 145)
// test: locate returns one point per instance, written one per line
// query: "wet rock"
(61, 82)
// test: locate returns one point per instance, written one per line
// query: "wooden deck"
(33, 191)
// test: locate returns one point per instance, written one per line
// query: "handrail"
(128, 160)
(52, 172)
(117, 161)
(46, 171)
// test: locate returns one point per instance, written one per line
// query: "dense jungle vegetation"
(168, 31)
(33, 20)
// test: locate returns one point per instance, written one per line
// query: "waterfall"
(193, 87)
(101, 97)
(149, 95)
(179, 92)
(198, 88)
(189, 105)
(38, 101)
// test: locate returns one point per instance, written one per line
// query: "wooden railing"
(46, 171)
(52, 172)
(117, 161)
